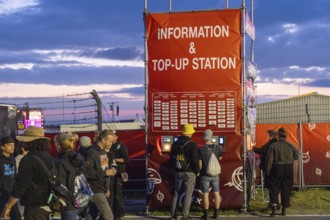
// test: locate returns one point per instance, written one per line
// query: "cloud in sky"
(16, 6)
(65, 46)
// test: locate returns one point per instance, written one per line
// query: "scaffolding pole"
(146, 101)
(244, 106)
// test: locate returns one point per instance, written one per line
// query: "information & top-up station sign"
(194, 70)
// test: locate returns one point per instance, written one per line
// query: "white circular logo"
(236, 179)
(306, 157)
(153, 178)
(311, 126)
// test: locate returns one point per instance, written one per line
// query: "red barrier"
(316, 154)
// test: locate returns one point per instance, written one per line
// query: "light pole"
(114, 106)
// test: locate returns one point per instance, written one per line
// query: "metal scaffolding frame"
(244, 105)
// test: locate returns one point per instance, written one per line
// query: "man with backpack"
(209, 156)
(31, 186)
(184, 158)
(70, 166)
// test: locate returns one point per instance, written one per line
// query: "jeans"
(206, 181)
(99, 202)
(118, 204)
(187, 180)
(281, 181)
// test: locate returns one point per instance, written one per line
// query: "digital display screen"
(214, 140)
(221, 140)
(167, 139)
(35, 119)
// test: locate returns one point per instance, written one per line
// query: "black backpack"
(59, 193)
(180, 159)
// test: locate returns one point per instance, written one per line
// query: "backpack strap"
(181, 146)
(209, 148)
(188, 163)
(43, 165)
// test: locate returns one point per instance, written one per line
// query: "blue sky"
(69, 46)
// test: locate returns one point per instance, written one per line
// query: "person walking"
(279, 167)
(31, 186)
(7, 175)
(120, 153)
(262, 151)
(207, 180)
(98, 172)
(70, 165)
(184, 178)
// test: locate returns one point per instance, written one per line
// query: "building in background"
(8, 120)
(308, 108)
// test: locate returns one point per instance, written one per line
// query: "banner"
(194, 70)
(250, 93)
(250, 29)
(251, 72)
(194, 76)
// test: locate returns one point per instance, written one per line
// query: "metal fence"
(293, 113)
(51, 112)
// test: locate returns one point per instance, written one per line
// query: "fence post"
(99, 109)
(300, 161)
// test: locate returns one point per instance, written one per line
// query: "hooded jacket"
(96, 164)
(70, 165)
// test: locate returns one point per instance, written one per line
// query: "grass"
(304, 201)
(311, 201)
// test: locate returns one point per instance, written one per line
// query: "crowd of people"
(24, 179)
(277, 157)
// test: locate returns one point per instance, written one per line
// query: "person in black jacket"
(97, 173)
(262, 151)
(279, 167)
(184, 178)
(7, 175)
(121, 158)
(70, 165)
(31, 185)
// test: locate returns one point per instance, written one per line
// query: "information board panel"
(202, 109)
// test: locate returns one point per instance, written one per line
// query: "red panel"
(316, 154)
(194, 76)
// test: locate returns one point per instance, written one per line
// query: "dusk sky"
(76, 46)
